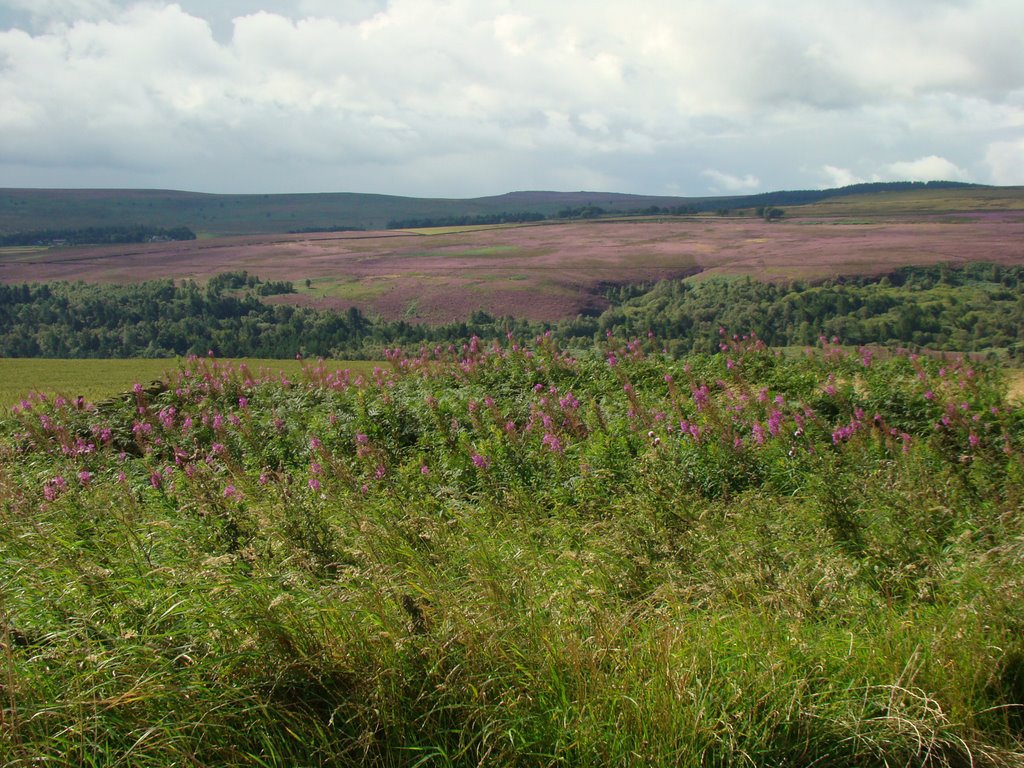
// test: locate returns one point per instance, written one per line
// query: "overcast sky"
(462, 98)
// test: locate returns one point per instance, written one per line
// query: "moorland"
(557, 269)
(713, 488)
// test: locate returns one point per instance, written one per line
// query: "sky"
(464, 98)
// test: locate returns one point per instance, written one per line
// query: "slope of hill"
(218, 215)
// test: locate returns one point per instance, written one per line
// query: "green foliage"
(97, 235)
(512, 555)
(978, 308)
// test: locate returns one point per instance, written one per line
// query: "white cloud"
(454, 98)
(839, 177)
(727, 183)
(931, 168)
(1005, 161)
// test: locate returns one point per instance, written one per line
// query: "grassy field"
(517, 557)
(99, 379)
(917, 202)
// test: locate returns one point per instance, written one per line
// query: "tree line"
(978, 308)
(96, 235)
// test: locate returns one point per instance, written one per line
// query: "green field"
(914, 202)
(99, 379)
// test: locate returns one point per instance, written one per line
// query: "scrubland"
(507, 554)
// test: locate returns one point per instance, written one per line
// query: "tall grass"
(504, 555)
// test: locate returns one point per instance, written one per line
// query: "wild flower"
(553, 443)
(314, 484)
(701, 396)
(480, 462)
(54, 487)
(758, 432)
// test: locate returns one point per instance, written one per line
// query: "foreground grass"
(513, 557)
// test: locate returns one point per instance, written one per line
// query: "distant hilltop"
(213, 215)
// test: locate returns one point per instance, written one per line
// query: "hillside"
(219, 215)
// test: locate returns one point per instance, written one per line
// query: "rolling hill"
(213, 215)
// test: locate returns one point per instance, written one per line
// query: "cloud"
(1005, 161)
(724, 182)
(839, 177)
(472, 96)
(931, 168)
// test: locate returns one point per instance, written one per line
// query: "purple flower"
(314, 484)
(84, 477)
(701, 396)
(758, 432)
(553, 443)
(481, 462)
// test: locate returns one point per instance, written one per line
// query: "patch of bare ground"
(547, 271)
